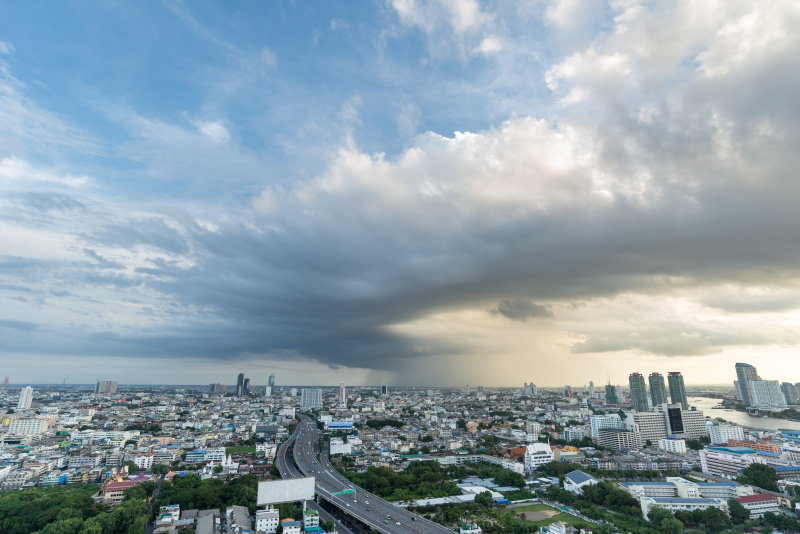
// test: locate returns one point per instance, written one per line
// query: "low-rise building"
(759, 504)
(675, 504)
(267, 520)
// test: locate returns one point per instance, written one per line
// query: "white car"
(397, 522)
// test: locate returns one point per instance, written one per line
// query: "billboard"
(340, 425)
(279, 491)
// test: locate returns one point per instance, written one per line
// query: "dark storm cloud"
(521, 308)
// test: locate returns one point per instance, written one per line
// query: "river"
(741, 418)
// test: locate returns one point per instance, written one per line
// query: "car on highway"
(397, 522)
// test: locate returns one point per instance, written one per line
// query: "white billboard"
(278, 491)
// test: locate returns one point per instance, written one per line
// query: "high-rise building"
(240, 385)
(611, 395)
(384, 390)
(246, 387)
(480, 389)
(216, 388)
(791, 392)
(658, 390)
(342, 395)
(766, 393)
(591, 388)
(745, 373)
(311, 398)
(271, 382)
(105, 387)
(567, 391)
(638, 392)
(267, 391)
(466, 389)
(25, 398)
(677, 389)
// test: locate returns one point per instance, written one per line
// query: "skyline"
(389, 191)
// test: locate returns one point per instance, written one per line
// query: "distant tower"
(638, 392)
(567, 391)
(591, 388)
(466, 389)
(384, 390)
(658, 390)
(745, 373)
(677, 390)
(25, 398)
(342, 395)
(239, 384)
(611, 395)
(272, 381)
(246, 387)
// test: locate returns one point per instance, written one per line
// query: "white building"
(728, 461)
(267, 520)
(759, 504)
(576, 480)
(675, 445)
(144, 460)
(619, 439)
(605, 422)
(342, 395)
(214, 455)
(766, 393)
(25, 399)
(310, 519)
(338, 446)
(537, 454)
(27, 426)
(721, 433)
(105, 387)
(311, 398)
(675, 504)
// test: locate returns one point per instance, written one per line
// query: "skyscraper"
(677, 390)
(246, 387)
(25, 398)
(466, 389)
(384, 390)
(638, 392)
(567, 391)
(591, 388)
(658, 390)
(271, 383)
(611, 395)
(239, 384)
(745, 373)
(342, 395)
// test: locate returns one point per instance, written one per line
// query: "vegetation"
(420, 480)
(30, 510)
(380, 423)
(192, 493)
(240, 450)
(760, 475)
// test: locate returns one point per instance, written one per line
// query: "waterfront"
(705, 404)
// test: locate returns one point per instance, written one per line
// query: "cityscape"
(532, 450)
(400, 267)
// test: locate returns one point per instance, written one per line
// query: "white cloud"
(6, 48)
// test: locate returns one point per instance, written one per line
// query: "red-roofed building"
(113, 492)
(759, 504)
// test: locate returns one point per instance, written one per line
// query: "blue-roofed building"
(792, 435)
(575, 481)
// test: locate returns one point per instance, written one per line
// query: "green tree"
(760, 475)
(715, 520)
(658, 514)
(218, 469)
(739, 514)
(160, 469)
(672, 526)
(65, 526)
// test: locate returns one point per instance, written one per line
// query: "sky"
(399, 192)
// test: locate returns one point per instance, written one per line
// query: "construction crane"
(5, 382)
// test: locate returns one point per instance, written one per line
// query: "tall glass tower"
(658, 390)
(271, 380)
(677, 390)
(745, 373)
(638, 392)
